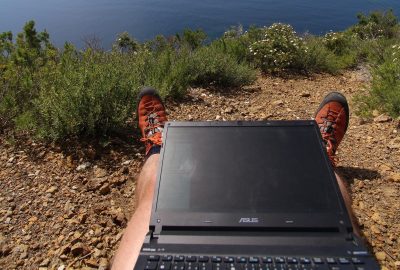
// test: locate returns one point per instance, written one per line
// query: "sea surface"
(75, 20)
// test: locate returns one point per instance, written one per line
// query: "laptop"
(248, 196)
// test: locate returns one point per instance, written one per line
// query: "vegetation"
(55, 93)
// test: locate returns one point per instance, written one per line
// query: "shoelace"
(328, 135)
(153, 125)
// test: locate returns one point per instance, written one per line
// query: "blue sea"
(75, 20)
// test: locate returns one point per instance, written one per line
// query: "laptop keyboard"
(182, 262)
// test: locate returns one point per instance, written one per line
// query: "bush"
(125, 43)
(317, 58)
(20, 63)
(210, 66)
(373, 51)
(235, 47)
(385, 90)
(340, 43)
(192, 39)
(88, 93)
(377, 25)
(278, 50)
(168, 71)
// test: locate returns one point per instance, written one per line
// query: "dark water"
(72, 20)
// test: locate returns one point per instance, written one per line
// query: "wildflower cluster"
(278, 50)
(336, 42)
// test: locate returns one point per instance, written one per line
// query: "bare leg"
(138, 226)
(344, 189)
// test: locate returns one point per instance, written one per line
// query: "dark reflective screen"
(245, 169)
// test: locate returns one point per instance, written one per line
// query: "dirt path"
(65, 207)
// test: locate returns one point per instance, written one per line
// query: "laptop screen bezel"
(263, 221)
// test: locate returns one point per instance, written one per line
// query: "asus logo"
(248, 220)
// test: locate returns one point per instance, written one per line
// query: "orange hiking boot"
(151, 117)
(332, 118)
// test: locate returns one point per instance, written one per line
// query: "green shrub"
(373, 50)
(20, 63)
(192, 39)
(126, 43)
(235, 47)
(385, 90)
(236, 42)
(87, 94)
(340, 43)
(317, 58)
(210, 66)
(278, 50)
(377, 24)
(169, 71)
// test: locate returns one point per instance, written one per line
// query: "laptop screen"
(253, 169)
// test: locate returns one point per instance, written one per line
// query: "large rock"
(79, 249)
(395, 177)
(99, 172)
(105, 189)
(278, 102)
(382, 119)
(103, 264)
(381, 256)
(83, 166)
(52, 190)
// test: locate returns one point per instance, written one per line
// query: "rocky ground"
(64, 206)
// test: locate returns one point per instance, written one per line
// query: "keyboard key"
(342, 267)
(246, 266)
(151, 265)
(330, 260)
(164, 266)
(229, 259)
(305, 267)
(318, 260)
(153, 258)
(305, 260)
(203, 258)
(321, 267)
(241, 259)
(253, 260)
(266, 259)
(191, 266)
(291, 260)
(279, 260)
(205, 266)
(166, 258)
(360, 268)
(216, 259)
(343, 261)
(178, 266)
(218, 266)
(179, 258)
(357, 261)
(232, 266)
(191, 258)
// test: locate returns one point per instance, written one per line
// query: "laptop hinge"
(157, 231)
(151, 234)
(347, 231)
